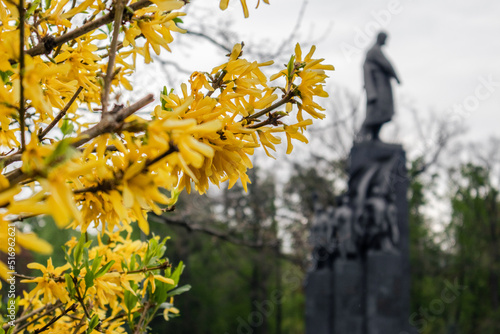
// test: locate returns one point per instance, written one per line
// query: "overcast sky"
(446, 52)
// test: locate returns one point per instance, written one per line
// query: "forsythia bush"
(61, 60)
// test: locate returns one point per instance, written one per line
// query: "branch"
(112, 55)
(22, 110)
(107, 125)
(111, 125)
(190, 227)
(34, 312)
(138, 329)
(51, 42)
(49, 309)
(210, 39)
(287, 98)
(64, 311)
(108, 185)
(60, 115)
(146, 269)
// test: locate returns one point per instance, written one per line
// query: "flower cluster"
(111, 284)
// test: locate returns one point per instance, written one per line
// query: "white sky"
(441, 49)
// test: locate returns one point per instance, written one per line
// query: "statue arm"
(381, 60)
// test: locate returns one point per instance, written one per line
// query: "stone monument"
(359, 282)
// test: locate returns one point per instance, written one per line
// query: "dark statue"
(359, 281)
(377, 73)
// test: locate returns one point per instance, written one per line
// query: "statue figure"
(319, 238)
(344, 237)
(377, 72)
(381, 222)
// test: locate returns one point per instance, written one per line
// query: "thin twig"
(60, 115)
(49, 310)
(22, 110)
(64, 311)
(32, 313)
(112, 56)
(108, 185)
(80, 324)
(80, 298)
(52, 42)
(23, 276)
(107, 126)
(190, 227)
(210, 39)
(138, 329)
(104, 126)
(144, 270)
(287, 98)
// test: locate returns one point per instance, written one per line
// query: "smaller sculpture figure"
(344, 237)
(392, 219)
(377, 72)
(380, 222)
(318, 238)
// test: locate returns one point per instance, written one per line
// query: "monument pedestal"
(319, 301)
(384, 291)
(368, 294)
(348, 297)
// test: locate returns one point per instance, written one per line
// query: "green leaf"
(67, 127)
(78, 252)
(177, 20)
(290, 67)
(32, 8)
(47, 4)
(177, 272)
(89, 279)
(61, 153)
(93, 323)
(5, 75)
(70, 285)
(130, 300)
(104, 269)
(179, 290)
(95, 263)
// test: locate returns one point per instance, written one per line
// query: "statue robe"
(377, 72)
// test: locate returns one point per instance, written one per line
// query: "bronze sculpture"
(377, 73)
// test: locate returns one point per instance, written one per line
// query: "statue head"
(381, 38)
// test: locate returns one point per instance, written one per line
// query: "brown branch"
(112, 56)
(49, 310)
(111, 125)
(23, 276)
(171, 150)
(287, 98)
(80, 324)
(51, 42)
(144, 270)
(32, 313)
(272, 119)
(108, 185)
(104, 126)
(64, 312)
(22, 111)
(80, 298)
(60, 115)
(210, 39)
(217, 83)
(190, 227)
(207, 230)
(138, 329)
